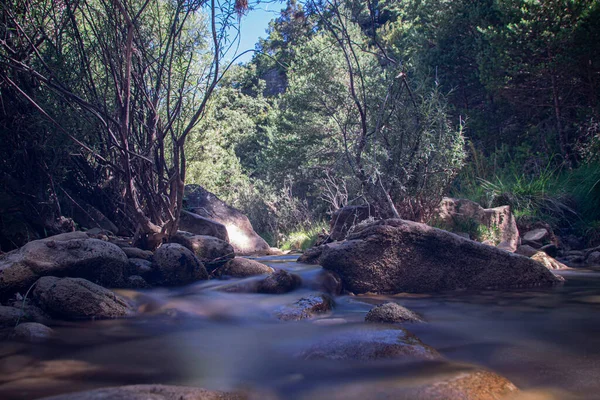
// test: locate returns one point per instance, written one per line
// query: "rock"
(136, 282)
(346, 217)
(199, 225)
(212, 252)
(451, 385)
(241, 234)
(151, 392)
(174, 265)
(9, 316)
(140, 267)
(536, 236)
(593, 258)
(32, 332)
(63, 237)
(242, 268)
(98, 261)
(389, 313)
(548, 261)
(496, 225)
(394, 255)
(279, 282)
(134, 252)
(572, 242)
(328, 282)
(311, 256)
(550, 249)
(76, 298)
(305, 308)
(526, 250)
(369, 343)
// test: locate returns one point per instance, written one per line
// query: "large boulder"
(151, 392)
(394, 255)
(174, 265)
(211, 251)
(76, 298)
(70, 254)
(495, 226)
(242, 268)
(199, 225)
(239, 229)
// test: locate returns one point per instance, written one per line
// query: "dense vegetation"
(391, 103)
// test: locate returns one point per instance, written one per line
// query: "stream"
(546, 341)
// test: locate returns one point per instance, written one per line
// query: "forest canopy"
(117, 105)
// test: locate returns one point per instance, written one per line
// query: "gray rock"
(137, 282)
(98, 261)
(395, 256)
(199, 225)
(305, 308)
(32, 332)
(174, 264)
(390, 313)
(536, 235)
(76, 298)
(239, 229)
(369, 343)
(526, 250)
(9, 316)
(279, 282)
(211, 251)
(593, 258)
(140, 267)
(242, 268)
(151, 392)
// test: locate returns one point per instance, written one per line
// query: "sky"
(254, 25)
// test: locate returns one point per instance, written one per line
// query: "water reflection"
(545, 341)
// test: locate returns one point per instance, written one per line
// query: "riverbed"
(546, 341)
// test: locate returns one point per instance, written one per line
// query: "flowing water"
(546, 341)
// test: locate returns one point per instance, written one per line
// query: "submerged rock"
(369, 343)
(242, 268)
(64, 255)
(279, 282)
(305, 308)
(174, 265)
(211, 251)
(32, 332)
(150, 392)
(394, 256)
(76, 298)
(460, 384)
(391, 313)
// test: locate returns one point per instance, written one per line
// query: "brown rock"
(211, 251)
(548, 261)
(395, 256)
(390, 313)
(151, 392)
(468, 385)
(305, 308)
(279, 282)
(242, 268)
(174, 264)
(75, 298)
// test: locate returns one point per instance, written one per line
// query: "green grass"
(303, 239)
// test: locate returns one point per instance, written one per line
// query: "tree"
(142, 70)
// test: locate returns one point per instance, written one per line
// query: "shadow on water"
(542, 339)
